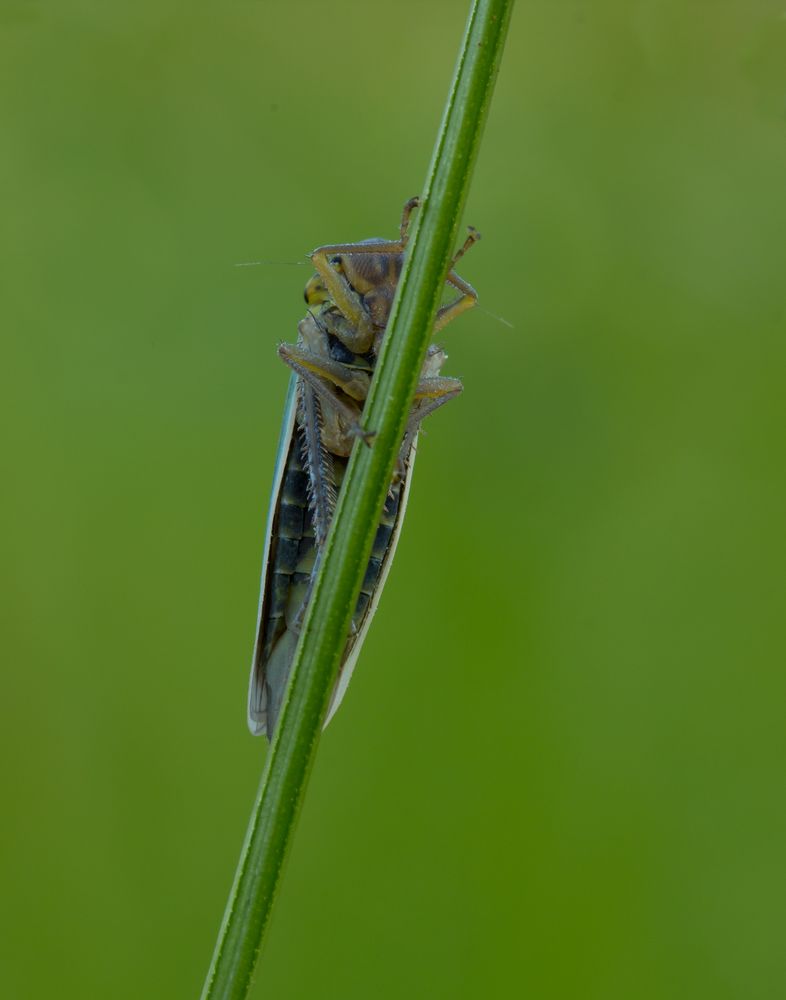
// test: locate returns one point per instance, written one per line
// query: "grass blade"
(349, 542)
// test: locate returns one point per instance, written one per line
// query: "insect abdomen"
(290, 570)
(292, 554)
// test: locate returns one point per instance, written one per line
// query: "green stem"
(349, 541)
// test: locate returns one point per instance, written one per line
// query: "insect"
(349, 299)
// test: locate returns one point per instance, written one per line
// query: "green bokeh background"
(559, 771)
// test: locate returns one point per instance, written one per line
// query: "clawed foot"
(367, 437)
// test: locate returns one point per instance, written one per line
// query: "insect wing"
(356, 642)
(257, 694)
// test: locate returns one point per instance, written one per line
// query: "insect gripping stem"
(348, 549)
(333, 363)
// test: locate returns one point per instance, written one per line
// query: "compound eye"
(337, 262)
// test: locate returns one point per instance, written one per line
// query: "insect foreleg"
(472, 237)
(340, 327)
(344, 296)
(406, 216)
(379, 255)
(466, 300)
(468, 297)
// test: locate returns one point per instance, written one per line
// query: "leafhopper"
(349, 298)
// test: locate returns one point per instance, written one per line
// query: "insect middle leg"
(340, 389)
(353, 381)
(431, 393)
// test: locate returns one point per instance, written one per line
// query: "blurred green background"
(559, 771)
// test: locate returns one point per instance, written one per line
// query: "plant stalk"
(348, 545)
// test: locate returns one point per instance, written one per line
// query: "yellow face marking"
(315, 292)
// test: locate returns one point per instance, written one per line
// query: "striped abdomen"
(290, 569)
